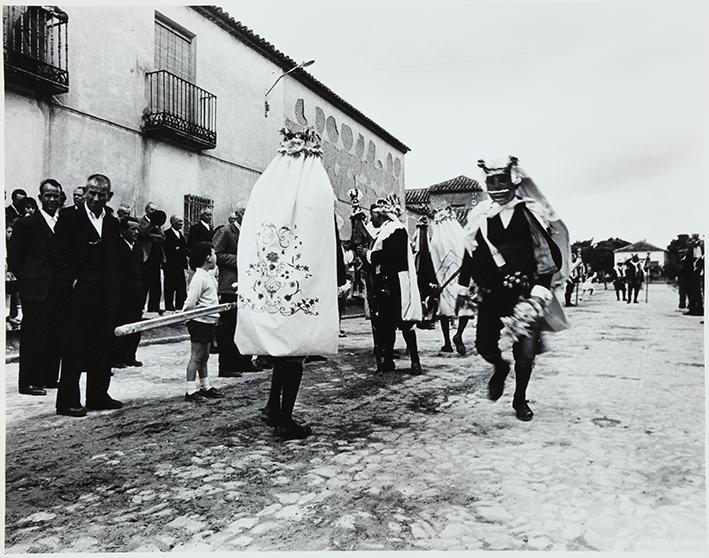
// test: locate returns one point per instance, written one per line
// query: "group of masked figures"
(505, 266)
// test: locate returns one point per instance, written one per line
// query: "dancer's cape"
(545, 225)
(408, 284)
(286, 261)
(447, 250)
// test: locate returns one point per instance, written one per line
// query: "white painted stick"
(162, 321)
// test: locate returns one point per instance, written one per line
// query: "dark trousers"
(619, 289)
(682, 284)
(230, 359)
(124, 347)
(388, 320)
(40, 343)
(570, 286)
(150, 278)
(487, 341)
(175, 288)
(694, 294)
(87, 344)
(633, 291)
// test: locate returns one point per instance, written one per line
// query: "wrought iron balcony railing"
(35, 49)
(181, 112)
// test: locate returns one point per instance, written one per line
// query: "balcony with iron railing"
(180, 112)
(35, 49)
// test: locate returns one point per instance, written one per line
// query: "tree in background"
(599, 256)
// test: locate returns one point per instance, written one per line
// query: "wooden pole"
(145, 325)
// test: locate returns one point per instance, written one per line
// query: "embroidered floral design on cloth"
(278, 274)
(305, 142)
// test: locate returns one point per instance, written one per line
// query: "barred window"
(173, 49)
(193, 207)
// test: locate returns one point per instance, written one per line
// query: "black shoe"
(107, 405)
(271, 418)
(292, 431)
(195, 397)
(134, 363)
(459, 346)
(72, 412)
(251, 367)
(118, 365)
(446, 349)
(416, 369)
(51, 385)
(33, 390)
(211, 393)
(569, 304)
(388, 366)
(229, 374)
(496, 384)
(523, 411)
(693, 313)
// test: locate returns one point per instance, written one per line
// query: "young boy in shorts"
(201, 293)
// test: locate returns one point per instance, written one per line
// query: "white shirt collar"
(97, 222)
(178, 233)
(51, 220)
(130, 244)
(206, 225)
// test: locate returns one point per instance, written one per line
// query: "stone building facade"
(169, 103)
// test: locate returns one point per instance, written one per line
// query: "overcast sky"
(602, 101)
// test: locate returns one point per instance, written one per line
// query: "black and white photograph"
(338, 275)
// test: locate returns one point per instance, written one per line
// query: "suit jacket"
(226, 242)
(11, 214)
(74, 240)
(28, 256)
(175, 249)
(200, 233)
(151, 240)
(129, 275)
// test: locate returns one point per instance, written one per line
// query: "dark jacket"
(516, 245)
(226, 241)
(80, 255)
(200, 233)
(129, 275)
(11, 215)
(150, 240)
(28, 256)
(175, 250)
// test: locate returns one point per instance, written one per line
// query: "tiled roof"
(267, 50)
(640, 246)
(458, 184)
(417, 196)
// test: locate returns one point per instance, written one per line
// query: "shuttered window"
(173, 50)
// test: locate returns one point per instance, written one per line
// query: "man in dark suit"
(202, 231)
(226, 241)
(28, 259)
(17, 208)
(78, 196)
(131, 293)
(86, 270)
(175, 264)
(151, 240)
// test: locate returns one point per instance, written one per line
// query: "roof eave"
(268, 51)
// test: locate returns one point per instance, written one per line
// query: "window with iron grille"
(194, 205)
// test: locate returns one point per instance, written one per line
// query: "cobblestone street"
(613, 460)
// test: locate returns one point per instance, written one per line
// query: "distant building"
(461, 193)
(169, 104)
(658, 256)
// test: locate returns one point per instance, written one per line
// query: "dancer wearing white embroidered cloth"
(287, 269)
(447, 249)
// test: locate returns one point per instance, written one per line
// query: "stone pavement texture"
(613, 460)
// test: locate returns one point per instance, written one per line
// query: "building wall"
(95, 127)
